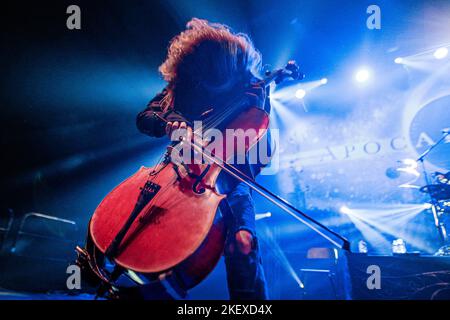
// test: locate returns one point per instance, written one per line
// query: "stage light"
(410, 163)
(427, 205)
(362, 75)
(362, 246)
(345, 210)
(398, 60)
(260, 216)
(410, 167)
(300, 94)
(324, 81)
(398, 246)
(441, 53)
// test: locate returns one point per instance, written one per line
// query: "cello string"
(238, 100)
(221, 119)
(217, 118)
(232, 106)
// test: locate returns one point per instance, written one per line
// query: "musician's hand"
(171, 126)
(177, 129)
(256, 95)
(244, 241)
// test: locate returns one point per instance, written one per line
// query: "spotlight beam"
(391, 225)
(276, 250)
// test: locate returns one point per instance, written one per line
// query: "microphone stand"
(445, 249)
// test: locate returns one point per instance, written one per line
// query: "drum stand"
(437, 215)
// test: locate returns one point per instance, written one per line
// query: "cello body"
(177, 228)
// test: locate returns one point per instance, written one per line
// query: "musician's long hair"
(205, 62)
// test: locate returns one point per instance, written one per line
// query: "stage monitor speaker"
(41, 250)
(402, 277)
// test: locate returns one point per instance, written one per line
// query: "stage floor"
(13, 295)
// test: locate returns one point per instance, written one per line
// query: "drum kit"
(439, 193)
(438, 189)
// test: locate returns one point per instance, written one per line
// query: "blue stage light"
(362, 75)
(345, 210)
(300, 94)
(427, 205)
(441, 53)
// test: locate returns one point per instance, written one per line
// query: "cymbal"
(443, 178)
(437, 191)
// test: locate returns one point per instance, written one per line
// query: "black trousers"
(245, 274)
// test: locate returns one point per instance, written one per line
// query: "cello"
(163, 222)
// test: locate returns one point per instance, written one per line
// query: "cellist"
(205, 65)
